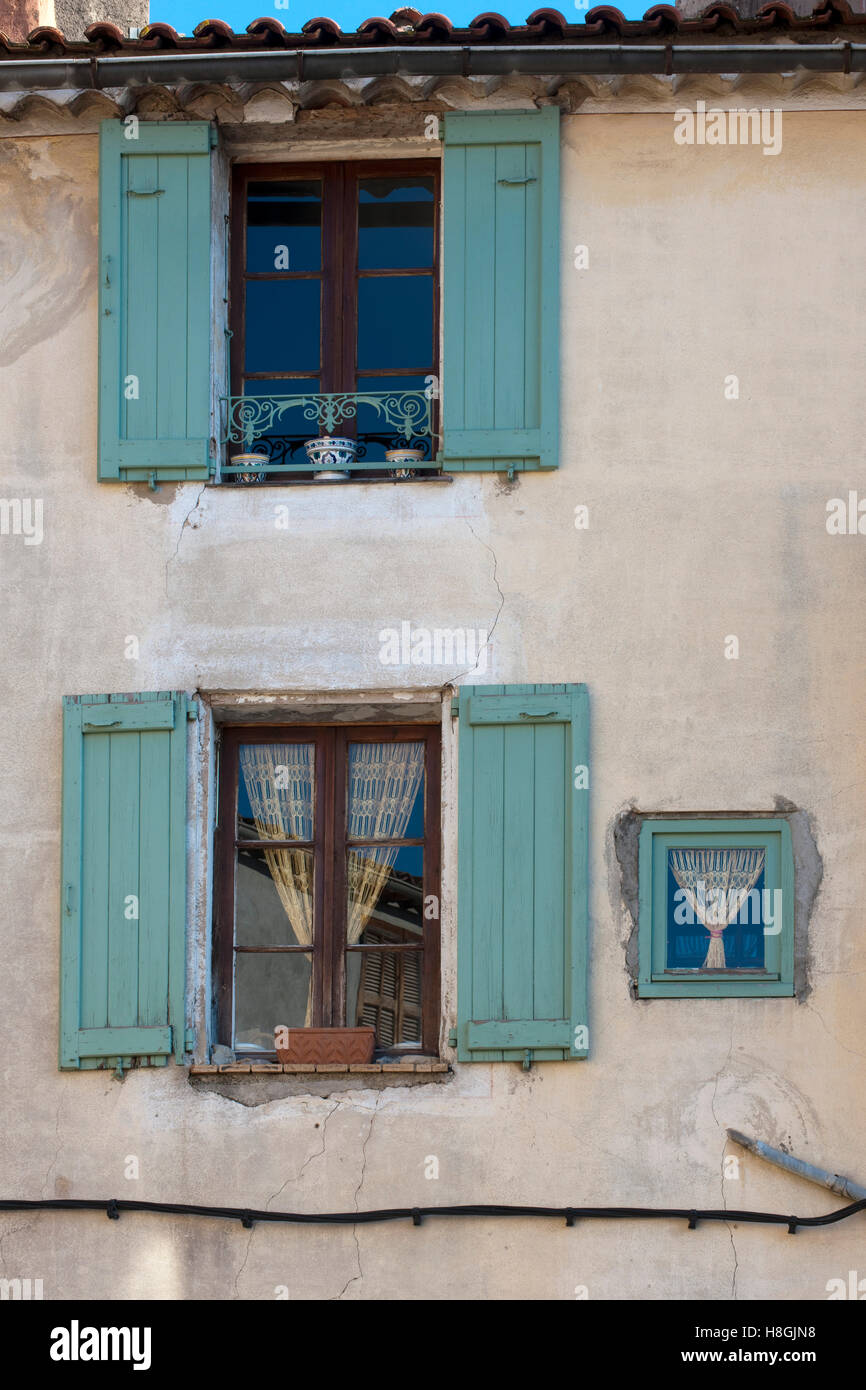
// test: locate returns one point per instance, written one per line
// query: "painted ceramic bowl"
(250, 461)
(334, 452)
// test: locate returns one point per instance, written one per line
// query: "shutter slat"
(154, 321)
(522, 872)
(501, 290)
(124, 879)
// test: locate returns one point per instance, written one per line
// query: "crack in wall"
(492, 628)
(173, 557)
(722, 1069)
(244, 1261)
(307, 1161)
(357, 1278)
(53, 1164)
(853, 1051)
(297, 1177)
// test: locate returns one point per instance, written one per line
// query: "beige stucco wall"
(707, 519)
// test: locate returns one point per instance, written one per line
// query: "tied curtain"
(279, 780)
(716, 882)
(384, 779)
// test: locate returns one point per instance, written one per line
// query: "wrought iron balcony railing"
(272, 427)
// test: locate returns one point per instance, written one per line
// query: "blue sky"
(186, 14)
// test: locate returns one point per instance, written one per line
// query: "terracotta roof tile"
(409, 27)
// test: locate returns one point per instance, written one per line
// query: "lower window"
(716, 907)
(327, 903)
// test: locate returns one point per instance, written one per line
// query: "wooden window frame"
(655, 980)
(339, 274)
(330, 886)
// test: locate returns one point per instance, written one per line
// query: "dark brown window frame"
(330, 887)
(339, 274)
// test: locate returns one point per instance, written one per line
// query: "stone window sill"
(316, 1069)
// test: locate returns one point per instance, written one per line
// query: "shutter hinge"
(214, 137)
(452, 1038)
(455, 706)
(189, 1040)
(192, 710)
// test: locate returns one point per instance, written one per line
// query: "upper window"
(328, 898)
(716, 907)
(334, 296)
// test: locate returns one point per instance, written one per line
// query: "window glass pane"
(395, 322)
(385, 891)
(703, 898)
(276, 791)
(395, 223)
(384, 989)
(271, 991)
(284, 225)
(282, 328)
(385, 792)
(274, 897)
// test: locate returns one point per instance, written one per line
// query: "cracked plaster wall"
(706, 518)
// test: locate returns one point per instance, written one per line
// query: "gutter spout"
(844, 1186)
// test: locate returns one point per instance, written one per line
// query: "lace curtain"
(716, 883)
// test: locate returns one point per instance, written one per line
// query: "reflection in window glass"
(284, 225)
(272, 990)
(385, 889)
(274, 896)
(384, 991)
(395, 223)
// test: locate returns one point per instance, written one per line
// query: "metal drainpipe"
(844, 1186)
(119, 70)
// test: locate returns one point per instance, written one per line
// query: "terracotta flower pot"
(325, 1044)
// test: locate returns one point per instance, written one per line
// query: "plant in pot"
(334, 451)
(324, 1045)
(250, 460)
(402, 460)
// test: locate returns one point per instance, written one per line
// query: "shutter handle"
(145, 193)
(511, 183)
(526, 714)
(69, 891)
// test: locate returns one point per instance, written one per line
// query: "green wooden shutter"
(500, 377)
(124, 853)
(154, 300)
(522, 872)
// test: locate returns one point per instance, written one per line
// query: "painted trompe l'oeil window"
(716, 907)
(335, 290)
(328, 864)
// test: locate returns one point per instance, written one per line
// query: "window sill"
(316, 1069)
(283, 481)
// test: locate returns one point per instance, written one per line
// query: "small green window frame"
(656, 978)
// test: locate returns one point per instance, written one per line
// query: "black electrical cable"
(248, 1217)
